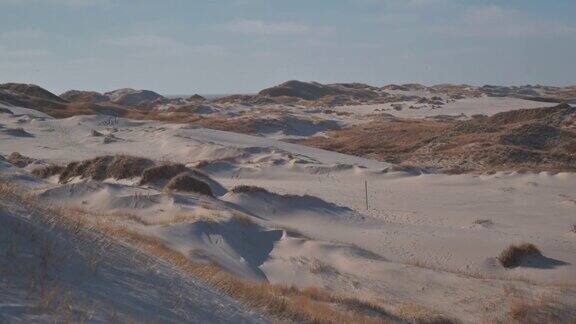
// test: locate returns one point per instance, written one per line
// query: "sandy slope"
(51, 276)
(416, 243)
(467, 107)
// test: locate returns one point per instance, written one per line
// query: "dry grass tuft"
(248, 189)
(48, 171)
(421, 315)
(514, 254)
(534, 139)
(162, 173)
(126, 167)
(94, 168)
(278, 301)
(103, 167)
(19, 160)
(483, 222)
(6, 111)
(184, 182)
(18, 132)
(95, 133)
(288, 303)
(243, 219)
(319, 267)
(541, 310)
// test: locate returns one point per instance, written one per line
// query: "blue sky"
(225, 46)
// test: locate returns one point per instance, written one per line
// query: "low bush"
(248, 189)
(19, 160)
(162, 173)
(513, 255)
(103, 167)
(185, 182)
(47, 171)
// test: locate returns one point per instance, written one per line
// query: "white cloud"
(23, 34)
(487, 14)
(500, 22)
(250, 26)
(260, 27)
(56, 2)
(409, 3)
(154, 45)
(144, 41)
(399, 19)
(210, 49)
(22, 54)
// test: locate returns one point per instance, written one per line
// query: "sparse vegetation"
(6, 111)
(103, 167)
(48, 171)
(95, 133)
(319, 267)
(421, 315)
(540, 310)
(248, 189)
(163, 172)
(282, 302)
(242, 219)
(483, 222)
(185, 182)
(126, 167)
(19, 160)
(19, 132)
(538, 139)
(513, 255)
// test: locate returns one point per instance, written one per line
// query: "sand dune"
(427, 239)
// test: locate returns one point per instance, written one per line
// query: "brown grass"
(243, 219)
(483, 222)
(47, 171)
(421, 315)
(309, 306)
(103, 167)
(513, 255)
(248, 189)
(126, 167)
(384, 140)
(184, 182)
(281, 302)
(540, 310)
(19, 132)
(534, 139)
(19, 160)
(319, 267)
(162, 173)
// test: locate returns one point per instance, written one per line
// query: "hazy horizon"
(242, 46)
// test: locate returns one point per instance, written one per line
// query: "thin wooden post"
(366, 192)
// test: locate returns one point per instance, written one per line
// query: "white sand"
(467, 107)
(416, 243)
(88, 286)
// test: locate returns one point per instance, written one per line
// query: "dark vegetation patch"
(48, 171)
(161, 173)
(6, 111)
(19, 160)
(95, 133)
(18, 132)
(248, 189)
(172, 177)
(513, 255)
(103, 167)
(541, 139)
(185, 182)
